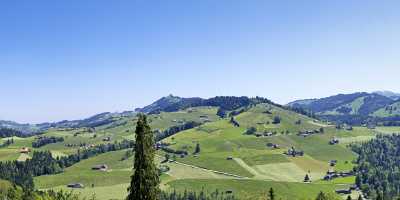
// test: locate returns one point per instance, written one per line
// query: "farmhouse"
(272, 145)
(334, 141)
(293, 152)
(343, 191)
(24, 150)
(268, 134)
(333, 174)
(102, 167)
(75, 185)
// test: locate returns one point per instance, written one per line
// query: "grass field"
(219, 142)
(254, 189)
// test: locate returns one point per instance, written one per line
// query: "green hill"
(356, 108)
(230, 155)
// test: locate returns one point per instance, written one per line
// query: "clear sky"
(71, 59)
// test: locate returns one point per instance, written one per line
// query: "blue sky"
(71, 59)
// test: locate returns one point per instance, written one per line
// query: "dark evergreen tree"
(379, 196)
(145, 180)
(321, 196)
(271, 194)
(348, 197)
(360, 197)
(307, 178)
(197, 150)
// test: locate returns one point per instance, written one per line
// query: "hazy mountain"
(355, 107)
(93, 121)
(390, 94)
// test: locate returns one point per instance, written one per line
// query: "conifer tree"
(348, 197)
(197, 150)
(271, 194)
(321, 196)
(145, 180)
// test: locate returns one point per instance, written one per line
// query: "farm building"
(293, 152)
(272, 145)
(332, 162)
(343, 191)
(75, 185)
(24, 150)
(102, 167)
(334, 141)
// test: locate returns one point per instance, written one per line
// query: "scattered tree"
(271, 194)
(197, 149)
(276, 120)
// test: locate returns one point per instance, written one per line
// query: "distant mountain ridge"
(96, 120)
(390, 94)
(173, 103)
(357, 107)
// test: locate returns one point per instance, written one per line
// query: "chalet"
(75, 185)
(343, 191)
(293, 152)
(107, 139)
(371, 126)
(102, 167)
(229, 158)
(334, 141)
(258, 134)
(268, 134)
(333, 174)
(24, 150)
(348, 128)
(332, 163)
(272, 145)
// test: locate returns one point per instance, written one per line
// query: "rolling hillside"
(356, 108)
(243, 151)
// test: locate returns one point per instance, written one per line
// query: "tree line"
(9, 132)
(175, 129)
(46, 140)
(378, 170)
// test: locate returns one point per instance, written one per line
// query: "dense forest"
(225, 103)
(378, 170)
(8, 132)
(46, 140)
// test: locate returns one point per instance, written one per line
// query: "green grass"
(218, 140)
(265, 159)
(388, 129)
(388, 113)
(254, 189)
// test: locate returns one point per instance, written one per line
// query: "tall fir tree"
(145, 180)
(271, 194)
(349, 198)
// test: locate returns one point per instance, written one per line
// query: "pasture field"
(223, 147)
(254, 189)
